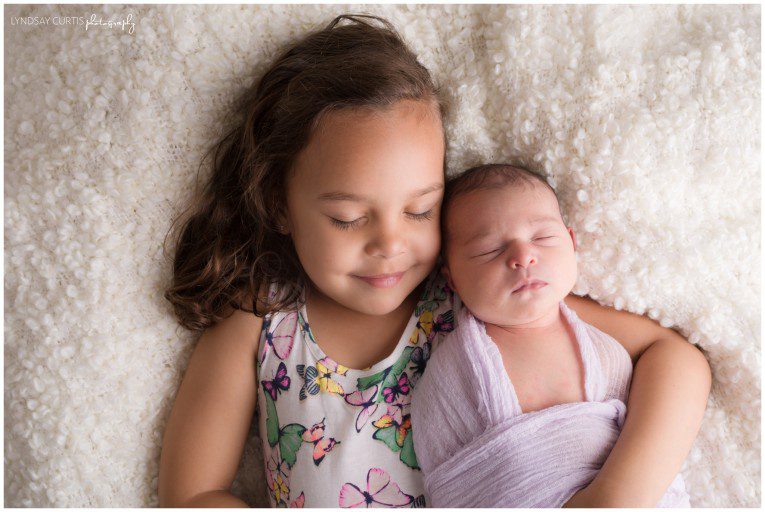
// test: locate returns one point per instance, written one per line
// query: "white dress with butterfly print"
(339, 437)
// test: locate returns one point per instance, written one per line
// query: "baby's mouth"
(528, 284)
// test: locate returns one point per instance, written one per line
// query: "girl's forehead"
(398, 152)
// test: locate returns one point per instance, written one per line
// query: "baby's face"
(509, 255)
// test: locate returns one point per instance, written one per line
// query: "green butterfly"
(289, 437)
(387, 378)
(439, 295)
(396, 433)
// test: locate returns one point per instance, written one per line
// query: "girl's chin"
(376, 307)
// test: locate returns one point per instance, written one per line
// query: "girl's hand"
(668, 394)
(582, 499)
(595, 496)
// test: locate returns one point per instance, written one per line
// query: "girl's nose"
(388, 241)
(521, 256)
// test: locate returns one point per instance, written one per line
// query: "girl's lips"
(383, 280)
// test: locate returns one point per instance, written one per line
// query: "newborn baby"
(521, 404)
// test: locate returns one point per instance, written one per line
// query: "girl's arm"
(208, 425)
(668, 394)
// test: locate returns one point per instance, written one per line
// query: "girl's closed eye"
(346, 224)
(426, 215)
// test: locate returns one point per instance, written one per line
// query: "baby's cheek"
(487, 284)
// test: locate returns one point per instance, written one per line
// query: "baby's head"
(507, 252)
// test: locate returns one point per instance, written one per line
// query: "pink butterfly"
(299, 501)
(277, 476)
(444, 323)
(279, 383)
(321, 446)
(365, 399)
(275, 467)
(282, 337)
(314, 433)
(400, 388)
(380, 491)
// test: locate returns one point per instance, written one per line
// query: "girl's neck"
(353, 339)
(317, 301)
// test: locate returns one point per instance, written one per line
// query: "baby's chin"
(519, 311)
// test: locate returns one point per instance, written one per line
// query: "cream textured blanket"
(646, 118)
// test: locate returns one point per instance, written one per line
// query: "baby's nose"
(522, 258)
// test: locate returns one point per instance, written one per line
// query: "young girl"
(311, 266)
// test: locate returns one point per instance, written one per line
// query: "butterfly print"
(277, 466)
(321, 446)
(394, 429)
(443, 324)
(288, 438)
(319, 378)
(367, 401)
(299, 501)
(419, 502)
(279, 383)
(281, 338)
(314, 433)
(378, 492)
(420, 356)
(277, 477)
(400, 388)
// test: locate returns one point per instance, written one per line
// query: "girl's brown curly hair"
(230, 247)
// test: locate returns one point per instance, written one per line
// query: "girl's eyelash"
(344, 224)
(353, 223)
(422, 216)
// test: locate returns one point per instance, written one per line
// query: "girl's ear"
(282, 222)
(573, 238)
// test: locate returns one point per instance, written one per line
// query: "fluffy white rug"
(647, 118)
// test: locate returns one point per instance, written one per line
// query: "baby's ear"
(573, 238)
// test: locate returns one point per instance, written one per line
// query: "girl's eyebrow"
(345, 196)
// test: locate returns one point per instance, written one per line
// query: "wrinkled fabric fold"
(538, 459)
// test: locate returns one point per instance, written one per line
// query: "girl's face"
(363, 204)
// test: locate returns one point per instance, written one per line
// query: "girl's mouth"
(382, 280)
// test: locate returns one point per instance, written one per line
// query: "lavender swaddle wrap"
(477, 448)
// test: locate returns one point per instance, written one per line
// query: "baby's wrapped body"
(477, 448)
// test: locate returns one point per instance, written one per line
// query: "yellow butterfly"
(424, 324)
(319, 378)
